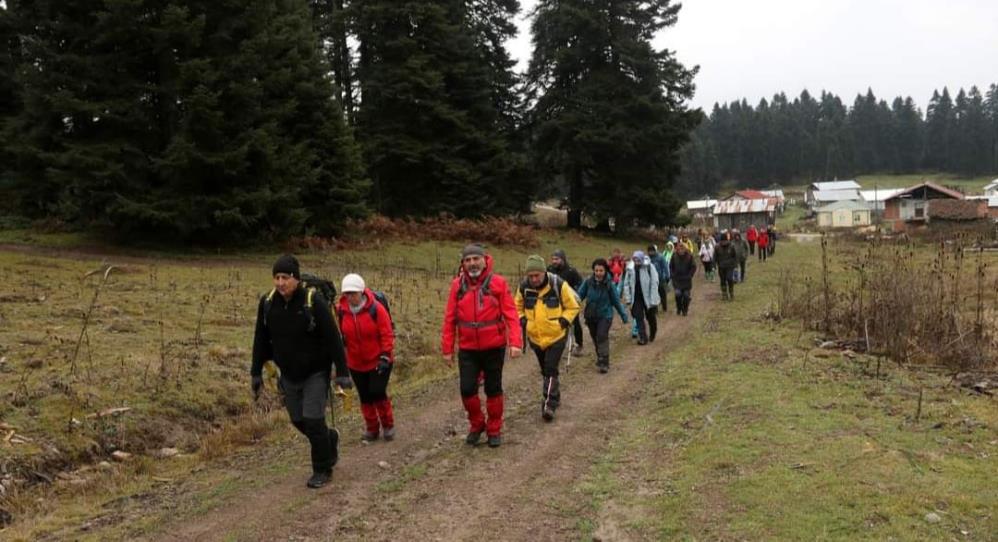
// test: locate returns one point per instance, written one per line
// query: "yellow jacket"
(544, 321)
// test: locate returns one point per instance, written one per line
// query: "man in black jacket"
(682, 266)
(559, 266)
(295, 329)
(727, 260)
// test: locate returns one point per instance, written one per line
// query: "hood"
(368, 299)
(489, 263)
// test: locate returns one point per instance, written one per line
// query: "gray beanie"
(474, 249)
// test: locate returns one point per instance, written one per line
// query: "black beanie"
(288, 264)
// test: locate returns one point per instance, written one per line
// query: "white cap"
(352, 283)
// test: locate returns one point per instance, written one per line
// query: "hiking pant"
(727, 281)
(741, 269)
(663, 289)
(599, 331)
(577, 331)
(751, 247)
(683, 297)
(549, 358)
(641, 314)
(762, 253)
(305, 401)
(772, 248)
(375, 405)
(472, 363)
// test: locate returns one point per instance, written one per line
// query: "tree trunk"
(575, 194)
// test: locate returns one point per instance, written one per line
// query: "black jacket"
(567, 273)
(683, 267)
(725, 255)
(286, 339)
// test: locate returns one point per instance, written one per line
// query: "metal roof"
(778, 193)
(941, 189)
(701, 204)
(836, 195)
(835, 185)
(880, 194)
(744, 206)
(847, 205)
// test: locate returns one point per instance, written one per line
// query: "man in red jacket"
(751, 235)
(481, 318)
(763, 244)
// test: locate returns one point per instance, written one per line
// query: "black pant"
(549, 359)
(741, 269)
(762, 253)
(772, 248)
(371, 386)
(663, 288)
(305, 402)
(599, 331)
(642, 313)
(577, 331)
(727, 281)
(751, 247)
(683, 297)
(472, 362)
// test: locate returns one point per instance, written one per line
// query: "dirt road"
(437, 488)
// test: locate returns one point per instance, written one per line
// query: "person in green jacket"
(727, 260)
(601, 299)
(742, 250)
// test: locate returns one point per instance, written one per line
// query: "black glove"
(256, 384)
(384, 364)
(343, 382)
(565, 324)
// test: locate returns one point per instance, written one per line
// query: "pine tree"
(992, 113)
(939, 120)
(435, 137)
(609, 113)
(195, 121)
(909, 133)
(9, 96)
(976, 135)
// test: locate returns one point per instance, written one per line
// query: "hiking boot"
(369, 436)
(603, 369)
(577, 350)
(473, 437)
(319, 479)
(388, 434)
(495, 441)
(642, 342)
(547, 413)
(334, 444)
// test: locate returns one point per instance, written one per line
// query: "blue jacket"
(601, 299)
(662, 266)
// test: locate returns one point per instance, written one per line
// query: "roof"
(835, 185)
(700, 204)
(777, 193)
(836, 195)
(992, 184)
(745, 206)
(940, 189)
(880, 195)
(957, 209)
(993, 201)
(751, 194)
(846, 205)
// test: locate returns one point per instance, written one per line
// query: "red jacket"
(483, 321)
(366, 338)
(751, 235)
(763, 239)
(617, 267)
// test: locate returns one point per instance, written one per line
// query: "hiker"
(367, 332)
(772, 236)
(559, 266)
(685, 240)
(670, 248)
(682, 268)
(601, 299)
(742, 250)
(641, 292)
(618, 264)
(727, 262)
(763, 242)
(751, 235)
(707, 258)
(629, 268)
(295, 329)
(662, 267)
(481, 317)
(547, 305)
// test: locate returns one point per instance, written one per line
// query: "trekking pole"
(569, 362)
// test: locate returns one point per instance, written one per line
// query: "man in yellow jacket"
(547, 305)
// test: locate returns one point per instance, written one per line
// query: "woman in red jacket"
(763, 244)
(752, 236)
(367, 333)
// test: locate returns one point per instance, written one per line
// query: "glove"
(256, 384)
(565, 324)
(384, 364)
(343, 382)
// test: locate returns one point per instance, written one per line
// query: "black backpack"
(379, 297)
(313, 284)
(552, 298)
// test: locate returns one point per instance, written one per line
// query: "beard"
(475, 273)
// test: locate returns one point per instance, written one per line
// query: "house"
(749, 194)
(831, 186)
(781, 199)
(911, 205)
(737, 212)
(701, 209)
(991, 189)
(875, 198)
(844, 214)
(824, 197)
(993, 207)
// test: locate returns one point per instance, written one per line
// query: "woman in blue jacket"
(601, 300)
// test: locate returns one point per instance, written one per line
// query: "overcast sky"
(755, 48)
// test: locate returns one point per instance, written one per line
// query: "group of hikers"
(350, 341)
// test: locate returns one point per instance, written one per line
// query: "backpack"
(486, 283)
(379, 297)
(312, 284)
(552, 298)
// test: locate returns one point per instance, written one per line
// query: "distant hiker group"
(317, 340)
